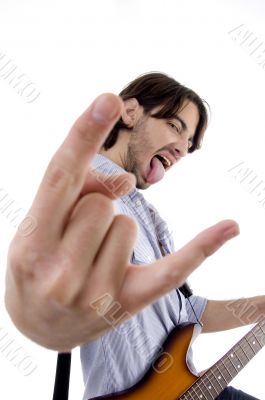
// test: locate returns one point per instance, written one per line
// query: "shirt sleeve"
(195, 306)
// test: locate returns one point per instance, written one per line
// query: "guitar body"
(169, 377)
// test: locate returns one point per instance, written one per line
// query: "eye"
(172, 125)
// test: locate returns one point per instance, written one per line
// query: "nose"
(182, 147)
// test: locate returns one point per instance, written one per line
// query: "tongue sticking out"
(156, 172)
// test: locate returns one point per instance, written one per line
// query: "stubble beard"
(134, 154)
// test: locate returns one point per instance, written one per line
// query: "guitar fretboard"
(215, 380)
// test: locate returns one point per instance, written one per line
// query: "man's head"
(161, 122)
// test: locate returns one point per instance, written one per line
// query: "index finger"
(67, 170)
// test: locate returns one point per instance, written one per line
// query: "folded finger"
(112, 260)
(113, 186)
(80, 244)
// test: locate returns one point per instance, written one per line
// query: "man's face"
(155, 145)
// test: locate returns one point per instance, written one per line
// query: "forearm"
(227, 314)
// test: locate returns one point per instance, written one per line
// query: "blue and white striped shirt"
(120, 358)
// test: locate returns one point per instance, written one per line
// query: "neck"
(114, 155)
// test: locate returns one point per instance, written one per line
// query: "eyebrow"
(183, 125)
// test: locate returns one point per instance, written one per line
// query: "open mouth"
(164, 160)
(157, 168)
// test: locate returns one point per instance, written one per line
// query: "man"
(61, 267)
(66, 254)
(161, 122)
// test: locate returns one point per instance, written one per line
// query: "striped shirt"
(120, 358)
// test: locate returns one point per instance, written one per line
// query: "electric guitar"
(170, 379)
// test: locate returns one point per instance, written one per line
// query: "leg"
(231, 393)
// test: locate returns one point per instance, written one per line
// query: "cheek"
(161, 135)
(152, 139)
(163, 139)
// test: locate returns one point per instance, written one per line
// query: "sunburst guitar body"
(169, 378)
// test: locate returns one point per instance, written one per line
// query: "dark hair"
(157, 89)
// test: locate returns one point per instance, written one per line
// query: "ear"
(130, 112)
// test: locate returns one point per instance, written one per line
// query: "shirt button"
(138, 203)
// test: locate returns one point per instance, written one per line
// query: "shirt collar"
(103, 163)
(109, 167)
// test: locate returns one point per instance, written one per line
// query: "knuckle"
(100, 203)
(94, 207)
(128, 224)
(19, 259)
(100, 299)
(58, 177)
(62, 282)
(17, 267)
(208, 249)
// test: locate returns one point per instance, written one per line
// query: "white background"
(74, 50)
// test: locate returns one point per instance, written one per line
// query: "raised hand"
(76, 256)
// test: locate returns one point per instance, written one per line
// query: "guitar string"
(206, 389)
(212, 373)
(235, 350)
(202, 394)
(209, 386)
(197, 385)
(239, 347)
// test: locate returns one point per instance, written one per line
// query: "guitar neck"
(212, 382)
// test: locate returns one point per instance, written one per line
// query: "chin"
(142, 185)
